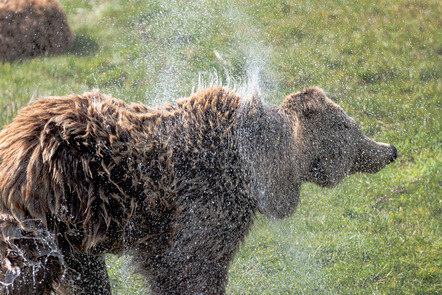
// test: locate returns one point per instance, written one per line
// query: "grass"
(380, 60)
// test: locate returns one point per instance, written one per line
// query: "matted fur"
(30, 28)
(177, 186)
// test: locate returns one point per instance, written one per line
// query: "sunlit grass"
(380, 60)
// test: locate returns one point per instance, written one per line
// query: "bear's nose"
(394, 154)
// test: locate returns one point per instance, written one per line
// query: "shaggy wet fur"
(30, 28)
(177, 187)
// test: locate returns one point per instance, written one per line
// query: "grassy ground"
(380, 60)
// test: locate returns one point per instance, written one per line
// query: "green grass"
(380, 60)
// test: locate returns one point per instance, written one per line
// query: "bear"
(30, 28)
(176, 186)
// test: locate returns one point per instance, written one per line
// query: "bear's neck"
(270, 156)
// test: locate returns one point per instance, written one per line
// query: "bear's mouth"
(319, 174)
(317, 171)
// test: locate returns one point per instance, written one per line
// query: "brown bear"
(177, 186)
(30, 28)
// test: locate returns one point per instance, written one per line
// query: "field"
(380, 60)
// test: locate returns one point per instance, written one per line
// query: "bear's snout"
(394, 154)
(373, 156)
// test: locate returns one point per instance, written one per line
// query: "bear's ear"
(306, 102)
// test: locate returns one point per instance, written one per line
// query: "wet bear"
(177, 186)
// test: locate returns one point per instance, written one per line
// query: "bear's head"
(334, 146)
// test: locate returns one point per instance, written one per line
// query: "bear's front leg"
(84, 275)
(197, 249)
(179, 275)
